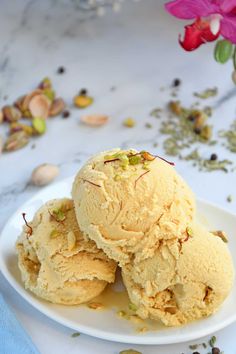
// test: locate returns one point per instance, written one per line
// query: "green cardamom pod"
(223, 51)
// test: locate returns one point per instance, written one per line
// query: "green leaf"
(223, 51)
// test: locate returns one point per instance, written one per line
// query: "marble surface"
(122, 59)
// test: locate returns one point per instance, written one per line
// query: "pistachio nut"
(49, 93)
(57, 107)
(16, 127)
(11, 114)
(19, 103)
(95, 120)
(45, 84)
(39, 125)
(44, 174)
(16, 141)
(39, 106)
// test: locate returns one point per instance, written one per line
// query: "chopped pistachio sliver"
(135, 159)
(58, 214)
(76, 334)
(211, 92)
(132, 307)
(229, 198)
(221, 234)
(54, 233)
(212, 341)
(121, 313)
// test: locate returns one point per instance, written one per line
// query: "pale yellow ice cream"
(128, 202)
(55, 261)
(184, 280)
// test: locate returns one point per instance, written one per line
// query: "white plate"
(105, 324)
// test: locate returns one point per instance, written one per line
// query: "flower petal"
(228, 28)
(228, 6)
(196, 34)
(189, 9)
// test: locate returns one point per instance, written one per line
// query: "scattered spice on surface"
(92, 183)
(176, 83)
(156, 112)
(66, 114)
(76, 334)
(230, 198)
(193, 346)
(210, 92)
(148, 125)
(30, 230)
(142, 175)
(230, 137)
(129, 122)
(213, 157)
(61, 70)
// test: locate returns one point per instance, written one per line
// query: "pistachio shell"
(44, 174)
(19, 103)
(95, 120)
(28, 98)
(11, 114)
(39, 106)
(16, 141)
(57, 106)
(1, 116)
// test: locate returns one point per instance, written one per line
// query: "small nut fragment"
(71, 238)
(82, 101)
(95, 120)
(16, 141)
(129, 122)
(221, 234)
(44, 174)
(11, 114)
(95, 305)
(175, 107)
(39, 106)
(206, 132)
(57, 107)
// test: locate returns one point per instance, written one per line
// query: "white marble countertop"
(135, 51)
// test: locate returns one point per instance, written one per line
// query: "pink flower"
(214, 17)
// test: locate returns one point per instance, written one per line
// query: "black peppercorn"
(215, 350)
(65, 114)
(83, 92)
(213, 157)
(61, 70)
(196, 353)
(197, 131)
(191, 117)
(176, 82)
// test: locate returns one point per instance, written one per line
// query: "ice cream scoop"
(55, 261)
(129, 201)
(184, 280)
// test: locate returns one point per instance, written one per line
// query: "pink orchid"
(213, 17)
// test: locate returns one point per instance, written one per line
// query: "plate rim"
(121, 338)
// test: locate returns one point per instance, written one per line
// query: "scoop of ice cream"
(183, 281)
(128, 201)
(55, 261)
